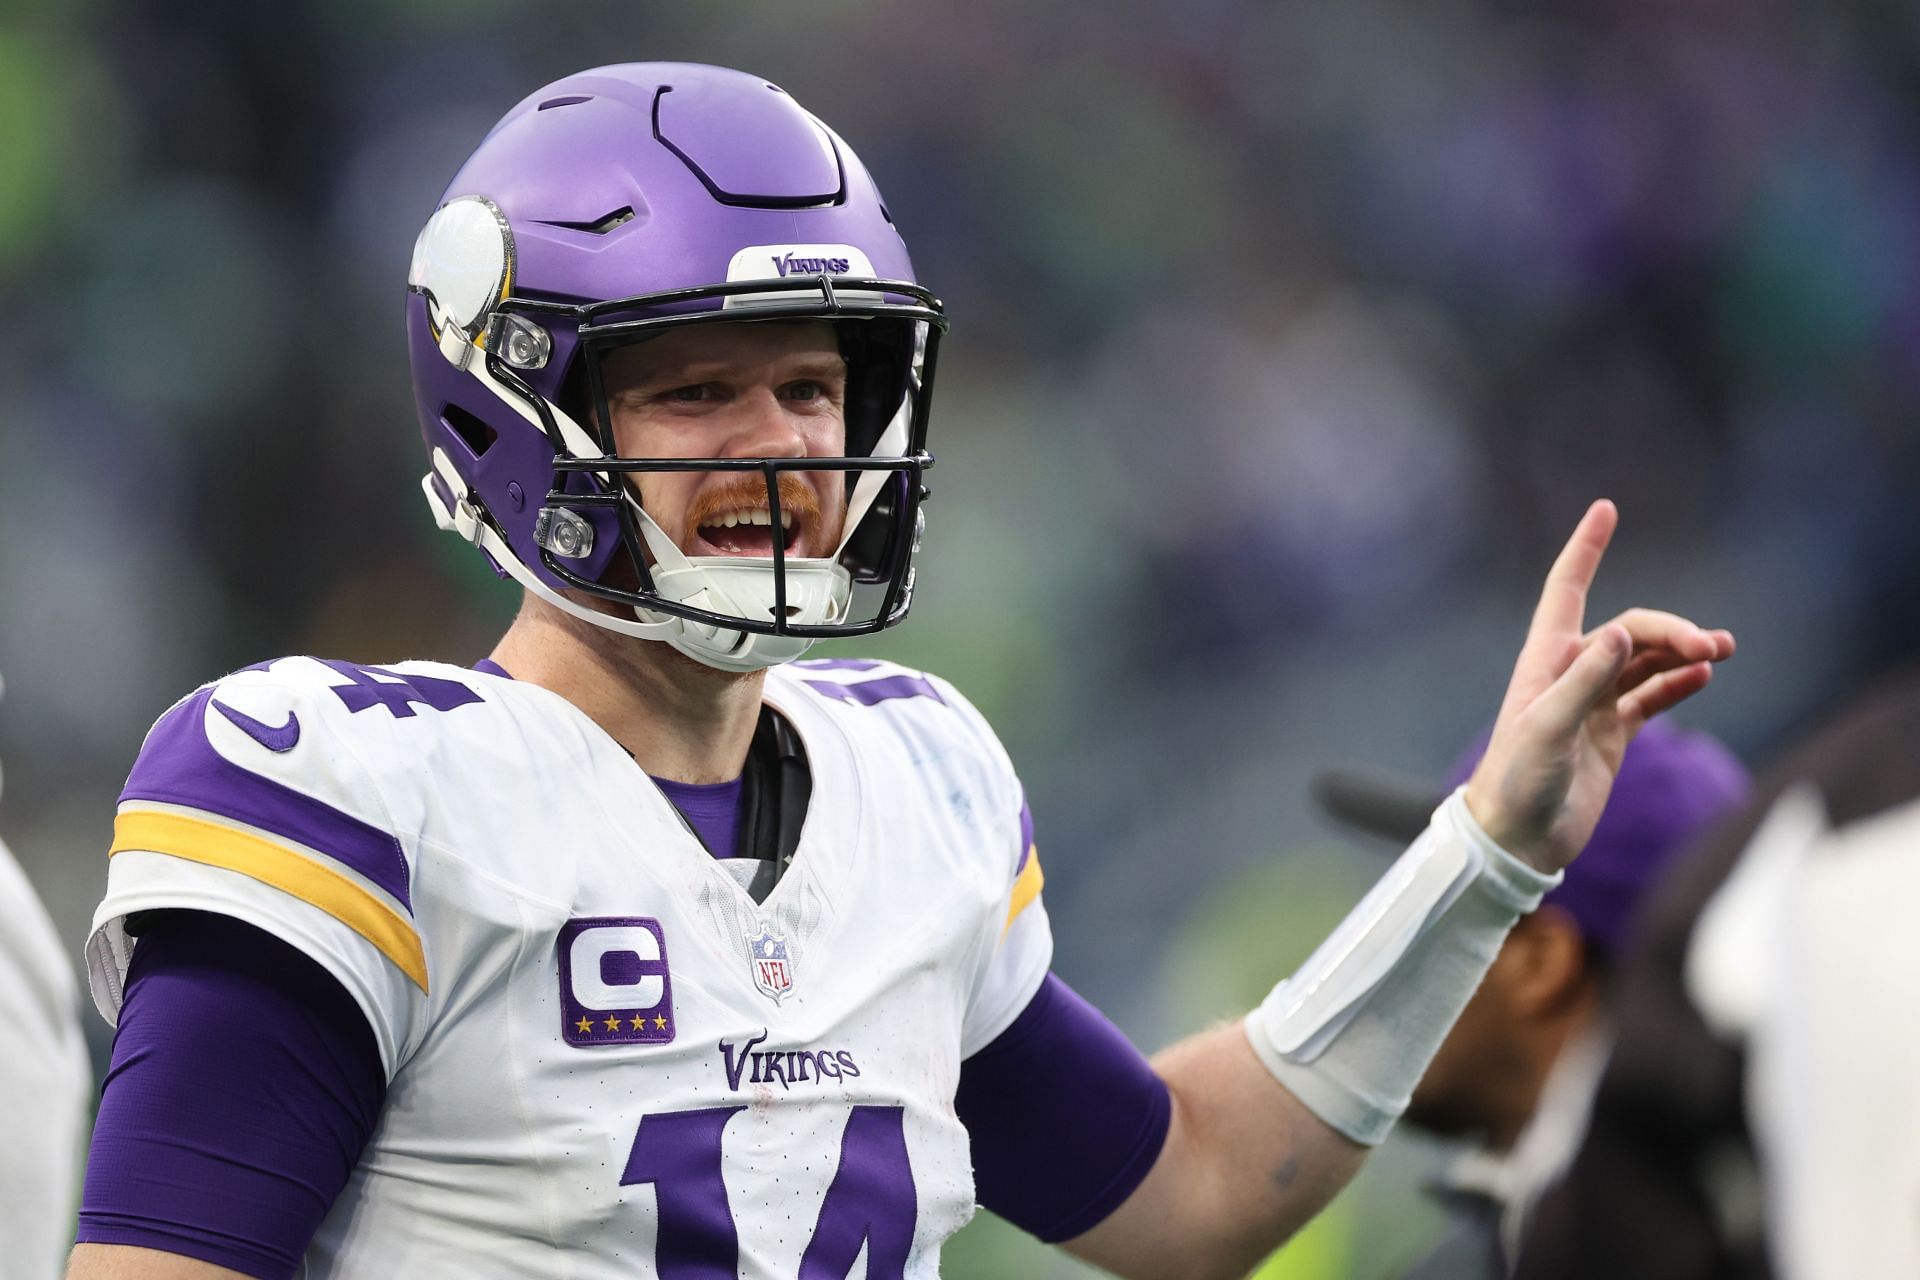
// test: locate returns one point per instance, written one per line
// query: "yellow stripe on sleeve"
(216, 845)
(1026, 887)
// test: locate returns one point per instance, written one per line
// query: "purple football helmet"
(604, 209)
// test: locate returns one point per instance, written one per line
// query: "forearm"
(1272, 1115)
(1245, 1166)
(128, 1262)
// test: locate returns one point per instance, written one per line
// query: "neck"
(1542, 1050)
(677, 717)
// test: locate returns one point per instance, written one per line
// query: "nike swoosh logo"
(274, 737)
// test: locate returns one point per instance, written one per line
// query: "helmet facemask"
(745, 611)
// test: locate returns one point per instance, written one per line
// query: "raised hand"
(1576, 700)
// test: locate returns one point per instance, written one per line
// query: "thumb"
(1564, 705)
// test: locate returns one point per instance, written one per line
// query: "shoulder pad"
(866, 681)
(266, 772)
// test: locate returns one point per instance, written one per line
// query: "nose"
(764, 428)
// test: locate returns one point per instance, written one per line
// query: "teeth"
(732, 518)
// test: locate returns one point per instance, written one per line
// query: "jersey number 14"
(871, 1199)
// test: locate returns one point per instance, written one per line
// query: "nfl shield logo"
(772, 970)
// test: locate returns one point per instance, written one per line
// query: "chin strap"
(867, 488)
(464, 519)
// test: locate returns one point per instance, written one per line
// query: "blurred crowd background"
(1288, 343)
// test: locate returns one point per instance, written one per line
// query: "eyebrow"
(820, 368)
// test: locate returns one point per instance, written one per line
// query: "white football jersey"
(604, 1058)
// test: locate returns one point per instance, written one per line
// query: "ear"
(1546, 958)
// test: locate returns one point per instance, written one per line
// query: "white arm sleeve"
(1351, 1033)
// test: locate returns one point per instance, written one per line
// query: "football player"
(647, 947)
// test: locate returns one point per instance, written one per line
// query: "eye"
(814, 392)
(692, 393)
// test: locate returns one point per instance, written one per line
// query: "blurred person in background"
(1517, 1073)
(45, 1083)
(1760, 1115)
(419, 968)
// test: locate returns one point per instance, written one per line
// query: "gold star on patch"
(639, 1023)
(659, 1022)
(584, 1027)
(613, 1024)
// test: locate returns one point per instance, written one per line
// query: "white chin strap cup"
(817, 592)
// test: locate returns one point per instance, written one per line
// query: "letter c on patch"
(590, 985)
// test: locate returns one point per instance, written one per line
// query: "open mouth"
(748, 531)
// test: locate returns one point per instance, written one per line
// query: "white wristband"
(1351, 1033)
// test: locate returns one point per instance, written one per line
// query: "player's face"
(771, 389)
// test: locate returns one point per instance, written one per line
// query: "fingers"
(1663, 641)
(1563, 600)
(1653, 629)
(1649, 663)
(1646, 659)
(1593, 675)
(1659, 692)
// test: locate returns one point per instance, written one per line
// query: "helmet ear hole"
(477, 435)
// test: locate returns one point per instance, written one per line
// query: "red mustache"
(799, 505)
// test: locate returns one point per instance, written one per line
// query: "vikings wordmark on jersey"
(599, 1046)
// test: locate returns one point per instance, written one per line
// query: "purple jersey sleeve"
(244, 1084)
(1065, 1115)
